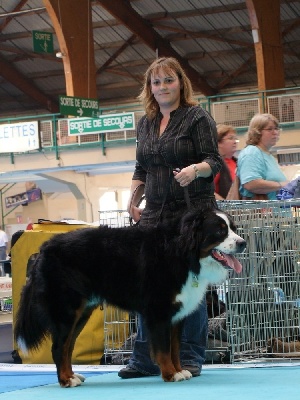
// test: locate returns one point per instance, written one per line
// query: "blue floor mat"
(227, 383)
(11, 381)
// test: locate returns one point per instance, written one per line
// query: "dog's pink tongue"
(233, 263)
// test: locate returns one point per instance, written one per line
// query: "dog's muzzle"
(241, 246)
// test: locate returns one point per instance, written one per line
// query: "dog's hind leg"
(63, 344)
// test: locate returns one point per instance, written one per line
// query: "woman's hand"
(282, 184)
(137, 191)
(218, 197)
(185, 176)
(135, 213)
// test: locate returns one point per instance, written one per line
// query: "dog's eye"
(221, 231)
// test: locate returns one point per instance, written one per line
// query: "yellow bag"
(90, 343)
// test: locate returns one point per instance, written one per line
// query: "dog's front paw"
(187, 375)
(81, 377)
(76, 380)
(179, 376)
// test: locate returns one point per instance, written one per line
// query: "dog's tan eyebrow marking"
(224, 218)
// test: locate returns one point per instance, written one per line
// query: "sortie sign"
(105, 123)
(78, 106)
(42, 42)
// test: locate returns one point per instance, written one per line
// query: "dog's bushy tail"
(31, 327)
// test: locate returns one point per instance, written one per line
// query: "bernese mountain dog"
(161, 273)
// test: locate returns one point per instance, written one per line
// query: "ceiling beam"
(220, 36)
(17, 8)
(195, 12)
(288, 27)
(137, 25)
(18, 80)
(75, 37)
(116, 54)
(267, 42)
(25, 55)
(242, 68)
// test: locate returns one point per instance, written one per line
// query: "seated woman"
(258, 170)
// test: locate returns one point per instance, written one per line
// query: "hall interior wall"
(62, 205)
(58, 205)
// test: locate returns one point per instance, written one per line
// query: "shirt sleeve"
(139, 172)
(216, 182)
(251, 166)
(205, 142)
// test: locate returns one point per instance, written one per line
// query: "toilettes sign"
(19, 137)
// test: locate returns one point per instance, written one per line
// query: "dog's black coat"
(140, 270)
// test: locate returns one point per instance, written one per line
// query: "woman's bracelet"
(197, 172)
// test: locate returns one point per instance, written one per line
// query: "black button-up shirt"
(189, 138)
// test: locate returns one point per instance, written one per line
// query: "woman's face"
(228, 145)
(270, 135)
(166, 89)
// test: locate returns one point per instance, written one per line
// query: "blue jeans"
(193, 343)
(2, 253)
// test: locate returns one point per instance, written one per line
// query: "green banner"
(105, 123)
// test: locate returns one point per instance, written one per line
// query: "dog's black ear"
(191, 231)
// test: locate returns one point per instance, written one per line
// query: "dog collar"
(195, 282)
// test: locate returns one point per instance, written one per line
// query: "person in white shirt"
(3, 245)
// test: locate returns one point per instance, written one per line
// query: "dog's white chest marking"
(193, 291)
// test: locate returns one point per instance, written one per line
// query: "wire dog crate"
(119, 326)
(119, 334)
(114, 218)
(252, 316)
(263, 302)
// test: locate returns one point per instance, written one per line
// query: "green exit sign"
(78, 106)
(105, 123)
(42, 42)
